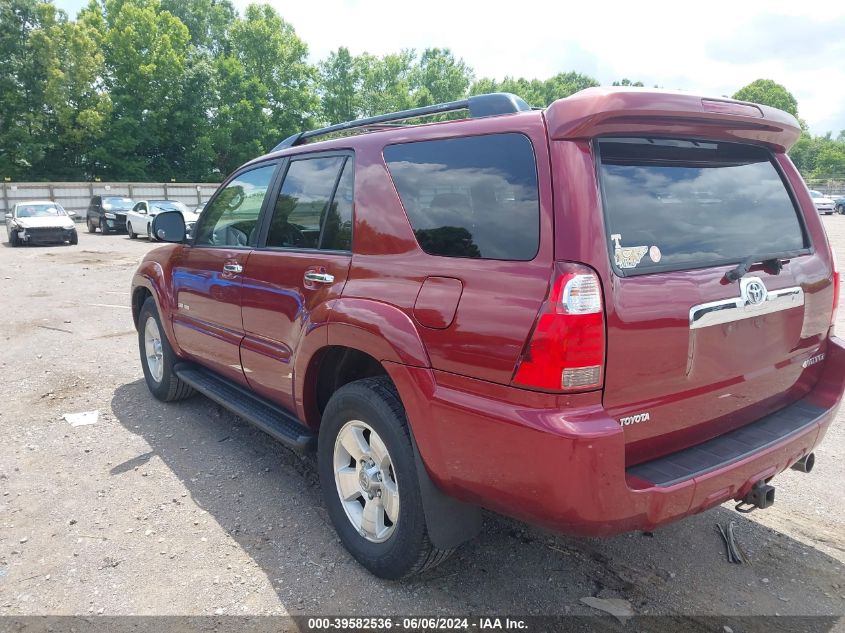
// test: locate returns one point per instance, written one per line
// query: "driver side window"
(231, 219)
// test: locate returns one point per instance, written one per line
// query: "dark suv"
(108, 213)
(599, 317)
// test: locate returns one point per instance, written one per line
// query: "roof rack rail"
(492, 104)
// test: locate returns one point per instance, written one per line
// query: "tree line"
(154, 90)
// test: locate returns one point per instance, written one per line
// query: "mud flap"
(450, 522)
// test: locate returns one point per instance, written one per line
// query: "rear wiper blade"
(735, 274)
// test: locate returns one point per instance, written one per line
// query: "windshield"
(675, 205)
(168, 205)
(40, 210)
(118, 203)
(816, 194)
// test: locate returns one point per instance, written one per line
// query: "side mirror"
(8, 215)
(71, 214)
(169, 226)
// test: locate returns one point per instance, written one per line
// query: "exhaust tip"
(805, 464)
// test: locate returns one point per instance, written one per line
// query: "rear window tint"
(675, 204)
(470, 197)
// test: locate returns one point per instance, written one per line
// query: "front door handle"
(320, 278)
(233, 268)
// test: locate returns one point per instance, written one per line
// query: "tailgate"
(690, 354)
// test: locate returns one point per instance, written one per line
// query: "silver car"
(40, 222)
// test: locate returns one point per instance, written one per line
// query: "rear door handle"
(320, 278)
(233, 268)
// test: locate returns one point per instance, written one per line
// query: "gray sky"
(710, 48)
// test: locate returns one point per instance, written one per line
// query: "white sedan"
(139, 220)
(40, 222)
(823, 203)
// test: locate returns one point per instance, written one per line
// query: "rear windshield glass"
(470, 197)
(673, 204)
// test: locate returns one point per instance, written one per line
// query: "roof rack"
(492, 104)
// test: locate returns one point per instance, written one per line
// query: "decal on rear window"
(627, 256)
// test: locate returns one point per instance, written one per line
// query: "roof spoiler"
(664, 113)
(492, 104)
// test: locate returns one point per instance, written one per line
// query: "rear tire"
(158, 358)
(132, 235)
(368, 416)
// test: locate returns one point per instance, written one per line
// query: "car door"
(137, 218)
(207, 273)
(93, 213)
(302, 261)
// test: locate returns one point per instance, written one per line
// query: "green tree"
(208, 21)
(386, 82)
(145, 53)
(438, 77)
(26, 57)
(340, 82)
(539, 93)
(628, 82)
(270, 52)
(770, 93)
(830, 161)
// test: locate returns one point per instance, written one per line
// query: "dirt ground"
(184, 509)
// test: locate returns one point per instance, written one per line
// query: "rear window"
(470, 197)
(677, 204)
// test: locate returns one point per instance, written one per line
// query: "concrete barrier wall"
(75, 196)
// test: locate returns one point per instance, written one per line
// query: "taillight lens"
(835, 288)
(565, 351)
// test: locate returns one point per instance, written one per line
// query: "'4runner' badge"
(634, 419)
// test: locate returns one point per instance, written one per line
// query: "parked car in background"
(501, 312)
(108, 213)
(140, 217)
(40, 222)
(189, 225)
(823, 203)
(839, 205)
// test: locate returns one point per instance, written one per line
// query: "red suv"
(599, 317)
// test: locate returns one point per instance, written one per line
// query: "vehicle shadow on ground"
(268, 500)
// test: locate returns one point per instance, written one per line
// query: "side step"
(268, 417)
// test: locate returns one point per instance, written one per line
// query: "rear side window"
(314, 207)
(677, 204)
(470, 197)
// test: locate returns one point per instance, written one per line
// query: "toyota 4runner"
(601, 316)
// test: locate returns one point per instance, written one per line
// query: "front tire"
(91, 227)
(104, 226)
(74, 238)
(13, 239)
(132, 235)
(157, 357)
(366, 463)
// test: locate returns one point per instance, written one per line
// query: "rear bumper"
(564, 468)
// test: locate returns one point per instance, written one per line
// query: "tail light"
(565, 351)
(835, 288)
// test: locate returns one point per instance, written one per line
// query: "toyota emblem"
(755, 292)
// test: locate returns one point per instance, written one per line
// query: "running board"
(270, 418)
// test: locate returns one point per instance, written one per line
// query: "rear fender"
(377, 329)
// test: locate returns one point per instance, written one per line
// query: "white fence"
(75, 196)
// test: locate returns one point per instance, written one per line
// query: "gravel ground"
(184, 509)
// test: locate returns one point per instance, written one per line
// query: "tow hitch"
(762, 495)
